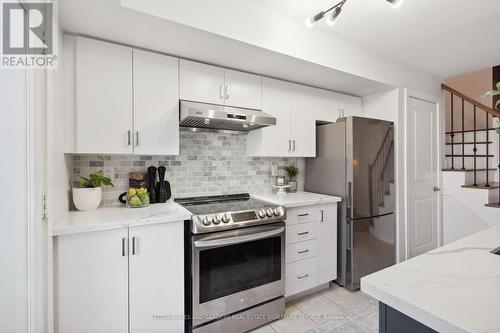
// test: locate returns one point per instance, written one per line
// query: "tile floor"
(332, 310)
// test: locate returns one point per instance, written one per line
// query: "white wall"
(14, 261)
(247, 22)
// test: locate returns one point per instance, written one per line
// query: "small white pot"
(87, 198)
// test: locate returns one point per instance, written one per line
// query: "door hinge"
(45, 212)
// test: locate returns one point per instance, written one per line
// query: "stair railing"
(489, 114)
(380, 173)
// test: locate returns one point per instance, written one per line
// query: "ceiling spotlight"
(310, 21)
(332, 19)
(395, 3)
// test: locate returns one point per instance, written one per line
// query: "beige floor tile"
(263, 329)
(320, 309)
(347, 299)
(295, 321)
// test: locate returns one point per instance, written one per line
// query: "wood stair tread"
(468, 170)
(493, 186)
(470, 143)
(468, 155)
(469, 131)
(493, 205)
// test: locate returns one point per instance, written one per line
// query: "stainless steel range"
(235, 247)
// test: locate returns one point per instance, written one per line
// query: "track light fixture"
(334, 12)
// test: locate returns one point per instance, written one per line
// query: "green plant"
(292, 171)
(96, 179)
(495, 93)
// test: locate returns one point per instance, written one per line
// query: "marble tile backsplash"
(208, 164)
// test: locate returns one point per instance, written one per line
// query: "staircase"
(473, 148)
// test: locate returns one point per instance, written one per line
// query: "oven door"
(237, 269)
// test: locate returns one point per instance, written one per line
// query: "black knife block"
(163, 192)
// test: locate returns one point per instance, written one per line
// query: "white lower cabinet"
(311, 247)
(123, 280)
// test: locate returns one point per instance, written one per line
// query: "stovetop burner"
(222, 212)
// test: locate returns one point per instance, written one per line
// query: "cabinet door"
(156, 104)
(273, 140)
(303, 121)
(243, 90)
(103, 97)
(92, 285)
(157, 278)
(327, 243)
(201, 83)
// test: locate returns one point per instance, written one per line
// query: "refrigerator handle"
(349, 195)
(349, 235)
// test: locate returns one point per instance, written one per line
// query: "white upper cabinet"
(201, 83)
(156, 104)
(273, 140)
(303, 120)
(216, 85)
(156, 277)
(103, 97)
(243, 89)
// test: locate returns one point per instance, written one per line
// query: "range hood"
(213, 117)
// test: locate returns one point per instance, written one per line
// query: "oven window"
(234, 268)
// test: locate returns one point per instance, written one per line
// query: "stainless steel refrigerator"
(355, 160)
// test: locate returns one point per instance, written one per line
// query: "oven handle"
(238, 239)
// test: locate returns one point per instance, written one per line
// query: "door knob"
(436, 189)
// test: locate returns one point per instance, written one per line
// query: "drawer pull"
(303, 276)
(302, 233)
(303, 215)
(304, 251)
(322, 215)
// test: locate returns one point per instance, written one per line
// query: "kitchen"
(223, 175)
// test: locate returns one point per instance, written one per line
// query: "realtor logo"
(27, 34)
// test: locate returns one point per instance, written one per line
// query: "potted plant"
(88, 196)
(292, 171)
(496, 121)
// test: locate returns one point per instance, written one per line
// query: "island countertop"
(455, 288)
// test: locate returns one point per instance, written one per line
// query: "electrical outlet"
(109, 172)
(274, 170)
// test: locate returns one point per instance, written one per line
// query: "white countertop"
(455, 288)
(105, 218)
(298, 199)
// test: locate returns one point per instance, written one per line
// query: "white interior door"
(423, 157)
(156, 104)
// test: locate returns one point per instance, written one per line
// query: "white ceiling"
(441, 37)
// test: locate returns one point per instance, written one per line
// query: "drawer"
(303, 215)
(301, 275)
(301, 250)
(301, 232)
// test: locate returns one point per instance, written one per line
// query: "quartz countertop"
(455, 288)
(105, 218)
(298, 199)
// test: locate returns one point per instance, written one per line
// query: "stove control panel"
(233, 220)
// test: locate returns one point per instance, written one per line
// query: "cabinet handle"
(293, 145)
(227, 92)
(137, 139)
(221, 93)
(124, 253)
(304, 251)
(133, 246)
(289, 146)
(302, 215)
(302, 233)
(129, 138)
(322, 215)
(303, 276)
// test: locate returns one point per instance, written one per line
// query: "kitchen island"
(455, 288)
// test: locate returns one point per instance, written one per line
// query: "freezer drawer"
(370, 247)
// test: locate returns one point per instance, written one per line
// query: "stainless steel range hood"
(196, 115)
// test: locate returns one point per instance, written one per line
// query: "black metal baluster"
(487, 152)
(475, 149)
(452, 136)
(463, 136)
